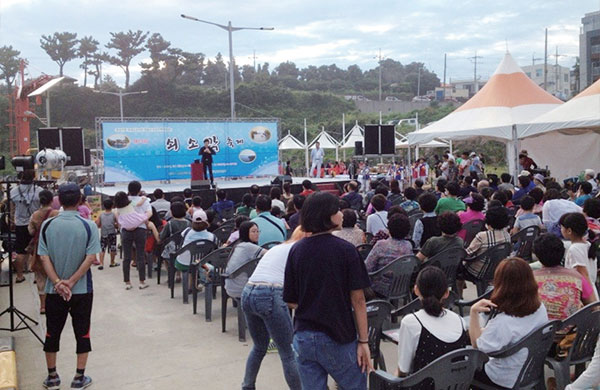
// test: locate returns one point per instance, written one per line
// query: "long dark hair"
(245, 231)
(432, 285)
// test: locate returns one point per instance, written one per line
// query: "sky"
(313, 32)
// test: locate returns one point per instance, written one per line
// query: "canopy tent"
(567, 139)
(289, 142)
(508, 99)
(434, 143)
(326, 141)
(356, 134)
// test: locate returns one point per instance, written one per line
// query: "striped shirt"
(482, 242)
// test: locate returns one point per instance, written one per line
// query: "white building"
(559, 79)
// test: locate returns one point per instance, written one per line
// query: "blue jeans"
(268, 316)
(318, 355)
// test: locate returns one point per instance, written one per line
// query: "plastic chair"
(472, 228)
(412, 219)
(227, 213)
(416, 212)
(460, 303)
(195, 250)
(270, 244)
(490, 258)
(454, 370)
(364, 250)
(587, 327)
(397, 277)
(246, 268)
(377, 312)
(448, 260)
(523, 242)
(177, 240)
(537, 343)
(218, 259)
(223, 232)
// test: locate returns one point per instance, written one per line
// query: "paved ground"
(143, 340)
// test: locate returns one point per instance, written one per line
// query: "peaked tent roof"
(431, 144)
(326, 141)
(356, 134)
(508, 98)
(581, 112)
(289, 142)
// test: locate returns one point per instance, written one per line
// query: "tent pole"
(451, 147)
(515, 145)
(408, 169)
(306, 150)
(343, 134)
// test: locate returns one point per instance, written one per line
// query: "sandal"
(101, 267)
(114, 265)
(20, 280)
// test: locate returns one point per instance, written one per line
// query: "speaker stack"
(380, 140)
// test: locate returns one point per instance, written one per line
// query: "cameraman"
(25, 199)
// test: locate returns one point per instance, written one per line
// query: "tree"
(128, 45)
(216, 72)
(248, 73)
(158, 48)
(287, 69)
(9, 65)
(191, 68)
(96, 61)
(61, 47)
(88, 47)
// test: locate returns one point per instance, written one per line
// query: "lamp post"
(230, 29)
(120, 94)
(32, 114)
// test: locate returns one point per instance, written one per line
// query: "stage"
(235, 188)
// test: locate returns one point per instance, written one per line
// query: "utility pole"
(546, 62)
(557, 78)
(444, 86)
(254, 57)
(475, 84)
(380, 59)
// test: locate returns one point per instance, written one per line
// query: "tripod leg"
(23, 319)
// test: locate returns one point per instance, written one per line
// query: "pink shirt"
(466, 216)
(84, 211)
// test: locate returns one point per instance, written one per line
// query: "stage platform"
(235, 188)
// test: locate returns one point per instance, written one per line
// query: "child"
(176, 225)
(127, 217)
(107, 222)
(527, 217)
(427, 226)
(573, 227)
(190, 234)
(196, 205)
(84, 209)
(235, 235)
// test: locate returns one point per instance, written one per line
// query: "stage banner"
(165, 150)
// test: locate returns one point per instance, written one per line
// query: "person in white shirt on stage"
(316, 156)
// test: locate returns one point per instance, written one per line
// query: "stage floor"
(180, 185)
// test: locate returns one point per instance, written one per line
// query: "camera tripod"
(25, 322)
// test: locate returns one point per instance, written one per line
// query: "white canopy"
(289, 142)
(356, 135)
(325, 140)
(508, 98)
(431, 144)
(567, 139)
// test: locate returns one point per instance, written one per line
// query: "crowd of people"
(307, 243)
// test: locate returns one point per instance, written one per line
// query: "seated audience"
(432, 331)
(591, 376)
(275, 195)
(350, 232)
(554, 208)
(583, 194)
(287, 192)
(527, 218)
(395, 196)
(519, 311)
(449, 225)
(272, 229)
(294, 220)
(306, 188)
(196, 205)
(451, 201)
(222, 204)
(475, 204)
(410, 203)
(235, 234)
(353, 198)
(378, 220)
(563, 291)
(383, 190)
(538, 195)
(591, 210)
(525, 185)
(247, 205)
(427, 226)
(506, 183)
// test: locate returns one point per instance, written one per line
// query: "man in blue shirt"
(68, 246)
(223, 204)
(271, 228)
(525, 185)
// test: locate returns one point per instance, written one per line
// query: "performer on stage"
(316, 155)
(207, 152)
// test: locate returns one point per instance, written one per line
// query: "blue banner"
(165, 150)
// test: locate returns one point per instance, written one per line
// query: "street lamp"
(120, 94)
(230, 29)
(32, 114)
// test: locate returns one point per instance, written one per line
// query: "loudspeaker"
(358, 148)
(280, 179)
(67, 139)
(388, 140)
(88, 158)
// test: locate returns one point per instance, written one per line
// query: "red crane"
(19, 111)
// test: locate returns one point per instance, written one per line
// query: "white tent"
(325, 140)
(567, 139)
(356, 134)
(289, 142)
(508, 99)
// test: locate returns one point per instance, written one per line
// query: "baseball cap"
(199, 216)
(524, 173)
(539, 177)
(68, 188)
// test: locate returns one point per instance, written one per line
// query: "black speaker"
(280, 179)
(72, 145)
(88, 158)
(48, 138)
(388, 140)
(358, 148)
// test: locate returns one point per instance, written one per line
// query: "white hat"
(524, 173)
(590, 172)
(199, 216)
(539, 177)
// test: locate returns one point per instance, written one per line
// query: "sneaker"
(101, 267)
(143, 286)
(114, 265)
(128, 287)
(81, 383)
(51, 383)
(272, 347)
